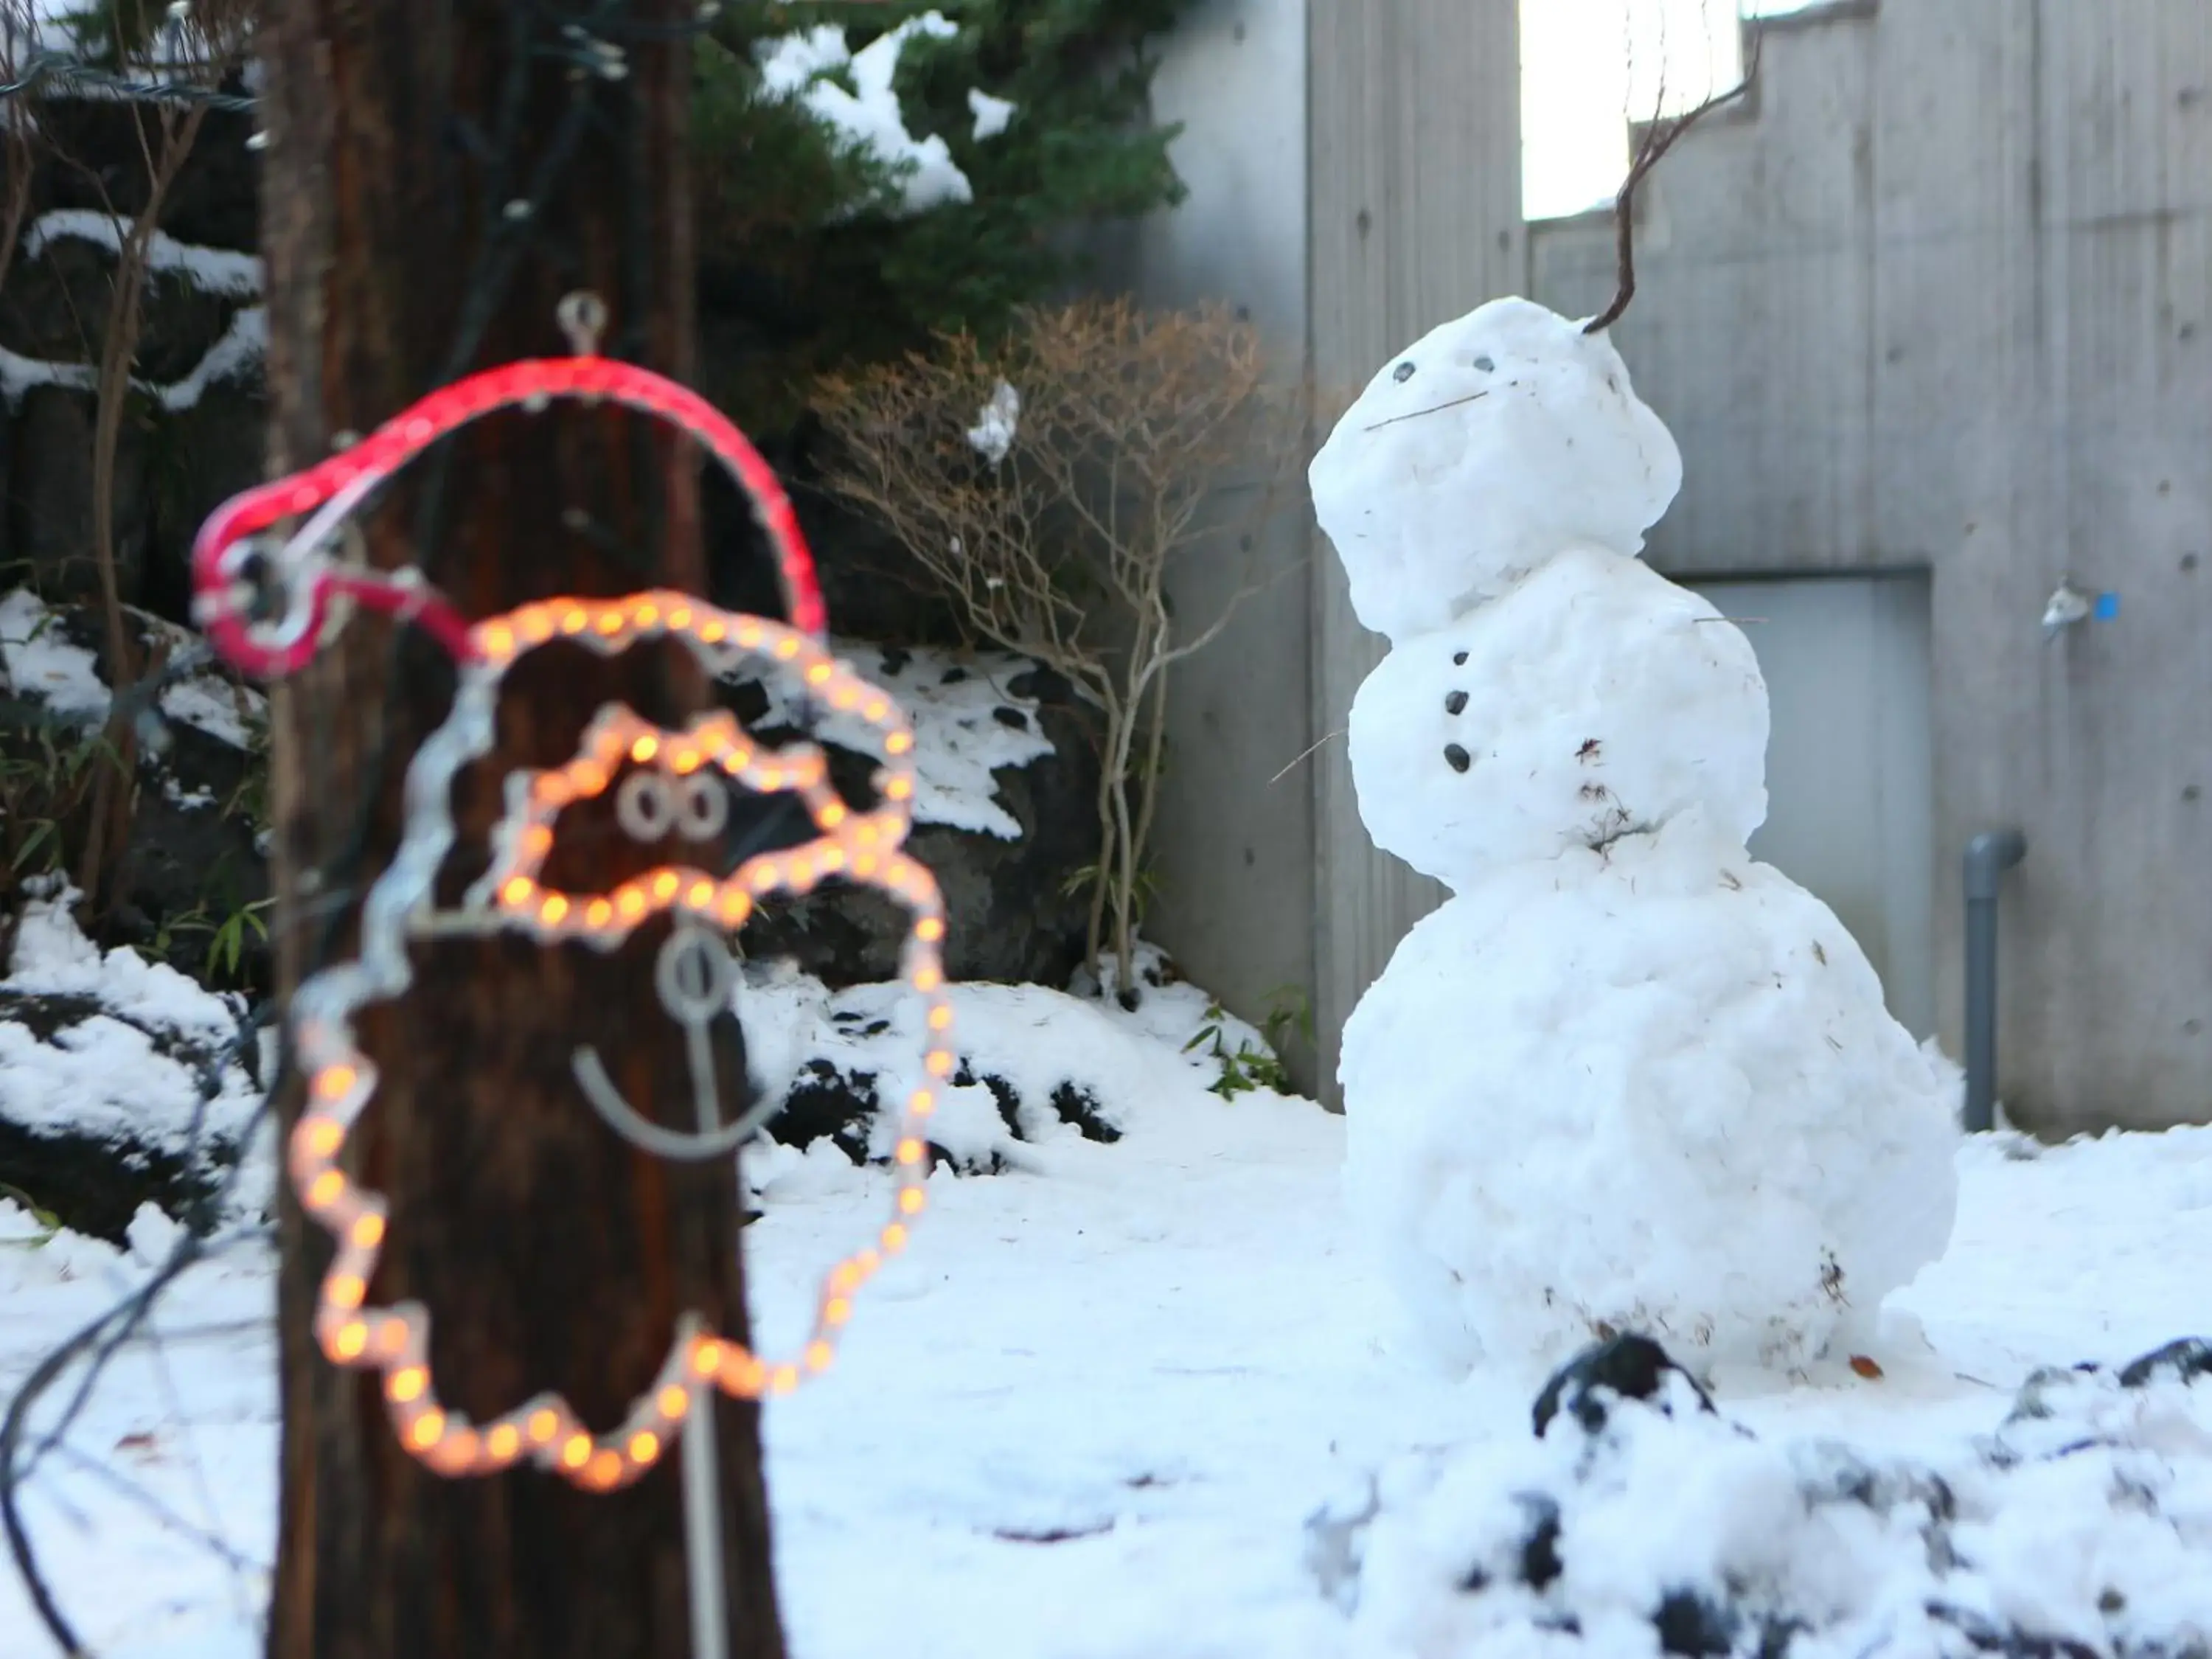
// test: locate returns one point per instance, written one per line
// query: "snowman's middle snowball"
(1593, 699)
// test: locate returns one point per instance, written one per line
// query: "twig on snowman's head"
(1659, 137)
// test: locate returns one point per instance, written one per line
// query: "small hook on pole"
(583, 318)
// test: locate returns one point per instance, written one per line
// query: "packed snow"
(1626, 1077)
(993, 115)
(1671, 1101)
(40, 660)
(968, 723)
(215, 271)
(1572, 686)
(997, 425)
(112, 1048)
(1136, 1396)
(1477, 453)
(868, 116)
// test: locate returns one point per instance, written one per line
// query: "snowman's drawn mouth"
(1434, 409)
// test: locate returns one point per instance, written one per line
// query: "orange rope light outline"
(866, 848)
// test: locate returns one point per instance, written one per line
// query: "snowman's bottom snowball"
(1653, 1089)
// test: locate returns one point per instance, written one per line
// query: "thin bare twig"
(1659, 137)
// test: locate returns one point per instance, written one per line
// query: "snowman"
(1626, 1076)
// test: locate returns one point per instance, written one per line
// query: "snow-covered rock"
(1479, 452)
(122, 1084)
(1639, 1520)
(1648, 1088)
(1595, 698)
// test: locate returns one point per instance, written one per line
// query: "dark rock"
(872, 585)
(1074, 1102)
(1013, 919)
(95, 159)
(2185, 1360)
(50, 514)
(1628, 1367)
(842, 1103)
(1689, 1623)
(1539, 1551)
(827, 1103)
(199, 459)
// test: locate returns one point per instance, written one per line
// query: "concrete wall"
(1236, 849)
(1414, 151)
(1938, 300)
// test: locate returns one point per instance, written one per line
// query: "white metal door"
(1850, 771)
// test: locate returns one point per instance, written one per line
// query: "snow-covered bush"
(872, 173)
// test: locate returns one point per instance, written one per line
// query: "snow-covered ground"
(1094, 1410)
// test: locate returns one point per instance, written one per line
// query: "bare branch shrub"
(1143, 442)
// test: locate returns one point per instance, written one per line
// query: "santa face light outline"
(863, 846)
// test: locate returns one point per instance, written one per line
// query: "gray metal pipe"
(1988, 856)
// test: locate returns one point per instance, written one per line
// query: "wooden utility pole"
(438, 174)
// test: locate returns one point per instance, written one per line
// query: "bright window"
(1588, 67)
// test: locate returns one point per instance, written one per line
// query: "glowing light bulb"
(408, 1384)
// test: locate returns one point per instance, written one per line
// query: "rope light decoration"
(269, 611)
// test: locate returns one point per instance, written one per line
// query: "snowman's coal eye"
(1402, 374)
(1485, 364)
(1456, 757)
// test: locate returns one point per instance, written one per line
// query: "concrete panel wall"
(1414, 157)
(1940, 299)
(1236, 851)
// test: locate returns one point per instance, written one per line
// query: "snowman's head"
(1594, 700)
(1479, 452)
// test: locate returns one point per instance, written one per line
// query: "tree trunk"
(439, 173)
